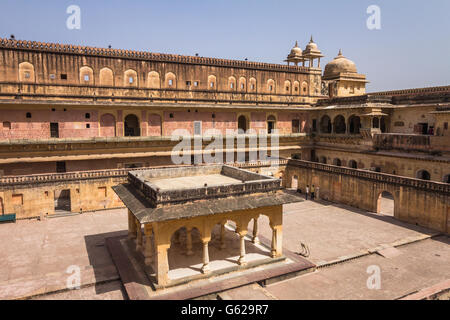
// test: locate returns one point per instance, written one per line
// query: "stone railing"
(105, 174)
(143, 55)
(406, 142)
(412, 91)
(374, 176)
(94, 94)
(338, 138)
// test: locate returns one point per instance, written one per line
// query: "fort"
(85, 129)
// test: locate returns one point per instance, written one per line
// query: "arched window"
(304, 88)
(242, 124)
(339, 124)
(270, 86)
(86, 75)
(212, 82)
(423, 174)
(170, 80)
(132, 128)
(296, 87)
(153, 80)
(352, 164)
(337, 162)
(130, 78)
(252, 85)
(26, 72)
(106, 77)
(323, 160)
(242, 84)
(287, 87)
(325, 124)
(271, 124)
(354, 124)
(232, 83)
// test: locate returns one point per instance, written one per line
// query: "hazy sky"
(412, 49)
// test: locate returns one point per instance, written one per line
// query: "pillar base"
(255, 240)
(242, 261)
(205, 268)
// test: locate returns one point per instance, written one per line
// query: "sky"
(411, 50)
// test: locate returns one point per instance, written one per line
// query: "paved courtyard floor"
(343, 241)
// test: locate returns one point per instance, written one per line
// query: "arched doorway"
(375, 123)
(354, 124)
(62, 201)
(271, 124)
(242, 124)
(386, 204)
(337, 162)
(383, 125)
(352, 164)
(423, 174)
(323, 160)
(186, 243)
(325, 124)
(132, 128)
(294, 182)
(339, 124)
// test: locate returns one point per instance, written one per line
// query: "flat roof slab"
(191, 182)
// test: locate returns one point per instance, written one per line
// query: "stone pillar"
(242, 234)
(222, 236)
(131, 226)
(277, 250)
(189, 242)
(148, 250)
(276, 223)
(162, 264)
(205, 267)
(255, 231)
(139, 236)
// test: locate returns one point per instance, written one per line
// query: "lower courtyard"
(39, 257)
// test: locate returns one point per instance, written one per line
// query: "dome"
(311, 46)
(296, 51)
(338, 65)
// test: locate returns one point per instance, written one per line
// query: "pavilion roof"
(145, 212)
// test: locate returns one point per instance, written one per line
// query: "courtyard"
(342, 241)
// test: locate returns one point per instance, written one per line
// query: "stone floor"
(38, 254)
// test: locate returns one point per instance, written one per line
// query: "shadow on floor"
(101, 260)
